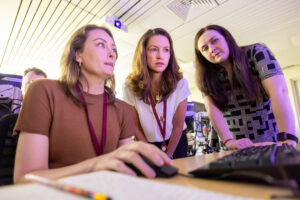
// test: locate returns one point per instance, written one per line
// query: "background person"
(8, 143)
(29, 76)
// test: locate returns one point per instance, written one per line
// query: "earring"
(141, 85)
(79, 63)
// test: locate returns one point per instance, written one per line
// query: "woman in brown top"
(76, 124)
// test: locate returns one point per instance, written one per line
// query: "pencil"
(67, 188)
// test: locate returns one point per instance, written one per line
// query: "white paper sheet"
(116, 185)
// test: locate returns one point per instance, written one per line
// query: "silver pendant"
(163, 148)
(162, 119)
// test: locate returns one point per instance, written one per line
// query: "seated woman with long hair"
(75, 125)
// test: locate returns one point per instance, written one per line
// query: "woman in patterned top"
(246, 96)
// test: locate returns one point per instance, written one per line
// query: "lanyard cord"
(99, 149)
(161, 128)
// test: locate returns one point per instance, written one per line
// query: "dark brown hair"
(139, 78)
(71, 72)
(35, 70)
(242, 77)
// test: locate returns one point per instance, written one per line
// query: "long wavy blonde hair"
(71, 71)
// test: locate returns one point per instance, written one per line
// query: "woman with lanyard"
(158, 94)
(76, 124)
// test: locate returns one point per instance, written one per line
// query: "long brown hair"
(242, 77)
(139, 78)
(71, 72)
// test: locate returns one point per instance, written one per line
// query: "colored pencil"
(67, 188)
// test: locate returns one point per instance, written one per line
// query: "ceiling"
(35, 31)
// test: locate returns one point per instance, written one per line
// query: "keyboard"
(268, 164)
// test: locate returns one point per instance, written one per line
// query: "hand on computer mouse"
(130, 154)
(164, 171)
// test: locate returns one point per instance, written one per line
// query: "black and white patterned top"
(253, 120)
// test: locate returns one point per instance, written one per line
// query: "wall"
(293, 73)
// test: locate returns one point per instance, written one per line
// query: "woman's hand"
(239, 144)
(129, 153)
(245, 142)
(290, 142)
(263, 143)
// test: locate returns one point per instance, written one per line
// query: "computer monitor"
(10, 93)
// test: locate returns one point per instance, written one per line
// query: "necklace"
(157, 97)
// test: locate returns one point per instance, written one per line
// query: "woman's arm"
(139, 132)
(276, 89)
(219, 124)
(131, 99)
(31, 154)
(178, 120)
(33, 150)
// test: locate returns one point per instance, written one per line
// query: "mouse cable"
(185, 175)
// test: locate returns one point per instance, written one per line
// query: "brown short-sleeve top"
(47, 110)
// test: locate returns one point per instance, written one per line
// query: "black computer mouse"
(162, 171)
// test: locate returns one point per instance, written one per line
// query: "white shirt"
(145, 112)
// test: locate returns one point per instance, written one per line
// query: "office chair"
(8, 146)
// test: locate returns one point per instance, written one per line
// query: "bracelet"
(283, 136)
(226, 141)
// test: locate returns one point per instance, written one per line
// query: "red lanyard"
(99, 150)
(161, 128)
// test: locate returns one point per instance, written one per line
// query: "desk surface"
(228, 187)
(185, 165)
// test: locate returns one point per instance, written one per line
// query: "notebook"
(117, 186)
